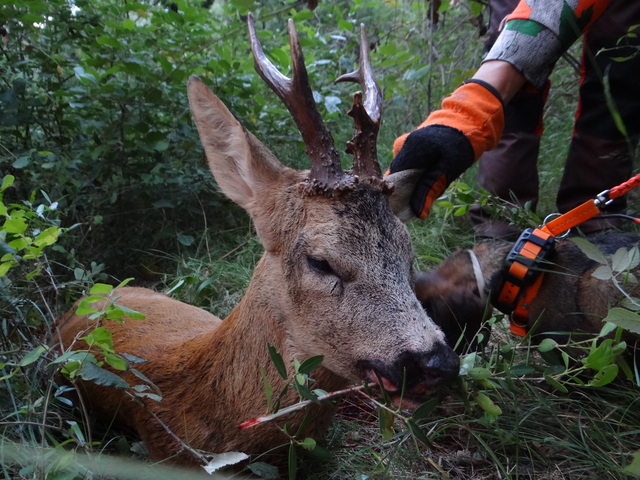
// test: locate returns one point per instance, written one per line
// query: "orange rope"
(625, 187)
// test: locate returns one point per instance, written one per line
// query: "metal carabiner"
(603, 199)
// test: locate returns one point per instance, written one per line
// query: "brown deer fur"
(570, 300)
(335, 280)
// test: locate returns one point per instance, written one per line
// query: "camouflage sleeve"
(538, 32)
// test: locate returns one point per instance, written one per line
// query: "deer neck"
(239, 361)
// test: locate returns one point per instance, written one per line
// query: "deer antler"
(295, 92)
(366, 114)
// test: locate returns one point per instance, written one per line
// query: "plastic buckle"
(522, 266)
(530, 250)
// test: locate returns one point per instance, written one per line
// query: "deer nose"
(420, 373)
(435, 368)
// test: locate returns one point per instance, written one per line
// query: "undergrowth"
(504, 418)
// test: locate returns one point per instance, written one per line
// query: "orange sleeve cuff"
(473, 110)
(476, 112)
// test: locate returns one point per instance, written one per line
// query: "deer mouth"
(408, 399)
(413, 377)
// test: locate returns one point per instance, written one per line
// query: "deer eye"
(320, 266)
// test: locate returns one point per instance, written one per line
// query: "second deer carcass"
(335, 280)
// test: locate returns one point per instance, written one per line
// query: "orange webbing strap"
(523, 261)
(519, 320)
(523, 277)
(590, 208)
(564, 222)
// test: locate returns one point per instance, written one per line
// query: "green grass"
(541, 433)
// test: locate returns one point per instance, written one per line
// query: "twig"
(292, 408)
(194, 453)
(382, 405)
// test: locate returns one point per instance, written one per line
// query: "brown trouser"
(599, 156)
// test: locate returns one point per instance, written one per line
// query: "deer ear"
(242, 166)
(404, 183)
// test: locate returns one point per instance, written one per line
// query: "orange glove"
(449, 141)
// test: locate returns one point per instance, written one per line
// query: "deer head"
(336, 275)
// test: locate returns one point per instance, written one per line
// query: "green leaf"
(624, 318)
(305, 392)
(611, 104)
(302, 15)
(345, 25)
(128, 24)
(122, 312)
(547, 345)
(304, 424)
(476, 8)
(74, 356)
(385, 423)
(417, 432)
(109, 41)
(47, 237)
(277, 361)
(425, 409)
(15, 225)
(600, 356)
(308, 444)
(555, 383)
(186, 240)
(604, 376)
(634, 467)
(116, 362)
(310, 364)
(590, 250)
(101, 289)
(521, 370)
(123, 283)
(621, 260)
(100, 376)
(603, 272)
(7, 181)
(479, 373)
(264, 470)
(491, 410)
(293, 462)
(21, 162)
(101, 337)
(33, 356)
(467, 362)
(606, 329)
(4, 267)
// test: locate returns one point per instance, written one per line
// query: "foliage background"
(95, 128)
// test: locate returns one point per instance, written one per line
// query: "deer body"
(335, 280)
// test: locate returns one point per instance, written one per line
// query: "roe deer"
(335, 280)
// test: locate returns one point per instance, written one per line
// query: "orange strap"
(564, 222)
(517, 292)
(519, 320)
(524, 276)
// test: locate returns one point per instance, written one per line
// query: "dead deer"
(335, 280)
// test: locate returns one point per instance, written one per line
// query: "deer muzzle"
(413, 376)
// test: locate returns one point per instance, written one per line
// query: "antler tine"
(296, 94)
(367, 114)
